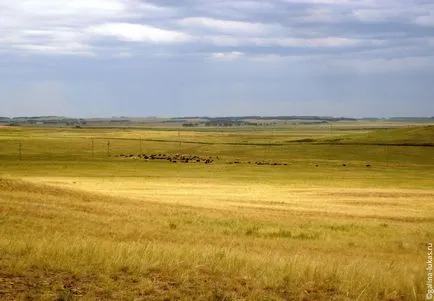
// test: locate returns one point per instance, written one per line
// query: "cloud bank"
(249, 41)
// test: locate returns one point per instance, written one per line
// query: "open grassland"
(80, 222)
(411, 136)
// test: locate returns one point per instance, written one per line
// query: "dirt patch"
(36, 284)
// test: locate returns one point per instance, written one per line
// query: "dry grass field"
(339, 221)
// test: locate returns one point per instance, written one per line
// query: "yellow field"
(107, 228)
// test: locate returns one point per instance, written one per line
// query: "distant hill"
(417, 135)
(242, 118)
(197, 121)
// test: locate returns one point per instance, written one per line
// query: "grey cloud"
(167, 57)
(289, 26)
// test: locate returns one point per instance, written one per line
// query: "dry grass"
(58, 242)
(384, 203)
(73, 227)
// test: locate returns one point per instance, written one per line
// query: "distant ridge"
(409, 136)
(196, 120)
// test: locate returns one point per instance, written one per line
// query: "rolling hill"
(411, 136)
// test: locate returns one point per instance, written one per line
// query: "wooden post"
(179, 139)
(108, 148)
(387, 155)
(20, 147)
(93, 150)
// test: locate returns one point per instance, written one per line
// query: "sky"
(167, 58)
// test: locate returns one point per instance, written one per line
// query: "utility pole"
(108, 148)
(387, 154)
(179, 139)
(265, 151)
(272, 138)
(20, 147)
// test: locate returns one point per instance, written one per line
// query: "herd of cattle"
(180, 158)
(174, 158)
(259, 163)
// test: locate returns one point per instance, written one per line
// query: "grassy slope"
(416, 135)
(58, 242)
(157, 230)
(76, 144)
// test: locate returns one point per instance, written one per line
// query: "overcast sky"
(86, 58)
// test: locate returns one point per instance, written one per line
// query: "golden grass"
(384, 203)
(73, 226)
(98, 246)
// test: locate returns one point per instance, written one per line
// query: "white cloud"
(138, 33)
(82, 27)
(69, 27)
(229, 26)
(227, 55)
(50, 41)
(64, 48)
(283, 41)
(316, 42)
(79, 11)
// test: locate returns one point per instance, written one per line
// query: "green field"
(290, 212)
